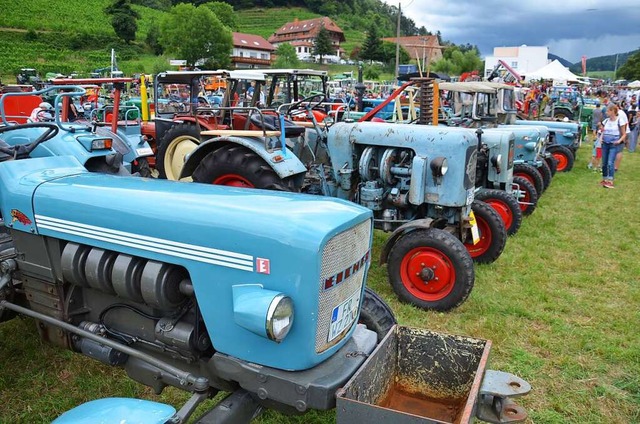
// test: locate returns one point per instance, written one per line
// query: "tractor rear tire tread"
(239, 160)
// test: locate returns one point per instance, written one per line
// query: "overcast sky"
(570, 28)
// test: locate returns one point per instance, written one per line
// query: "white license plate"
(144, 151)
(344, 315)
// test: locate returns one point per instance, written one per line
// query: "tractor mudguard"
(400, 231)
(118, 410)
(285, 164)
(226, 239)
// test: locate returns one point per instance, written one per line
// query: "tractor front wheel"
(564, 156)
(526, 194)
(175, 145)
(376, 314)
(530, 173)
(431, 269)
(552, 162)
(238, 166)
(506, 205)
(492, 232)
(545, 171)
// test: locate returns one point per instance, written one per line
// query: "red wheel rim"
(485, 239)
(424, 262)
(503, 210)
(562, 161)
(526, 176)
(233, 180)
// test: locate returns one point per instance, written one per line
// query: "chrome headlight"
(279, 318)
(439, 166)
(266, 313)
(496, 161)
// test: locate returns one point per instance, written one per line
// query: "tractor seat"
(271, 123)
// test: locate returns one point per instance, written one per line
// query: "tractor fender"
(418, 224)
(285, 165)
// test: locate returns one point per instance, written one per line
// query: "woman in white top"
(613, 136)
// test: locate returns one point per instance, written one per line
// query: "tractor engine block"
(385, 175)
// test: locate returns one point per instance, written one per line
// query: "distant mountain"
(564, 62)
(602, 63)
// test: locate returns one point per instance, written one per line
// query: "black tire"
(442, 253)
(552, 162)
(185, 132)
(527, 195)
(560, 114)
(239, 166)
(545, 171)
(506, 205)
(493, 234)
(376, 314)
(564, 156)
(531, 173)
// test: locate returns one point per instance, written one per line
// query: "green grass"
(560, 305)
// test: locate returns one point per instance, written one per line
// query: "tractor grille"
(339, 255)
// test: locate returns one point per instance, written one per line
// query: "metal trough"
(417, 376)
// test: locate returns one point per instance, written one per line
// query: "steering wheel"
(44, 116)
(22, 151)
(179, 106)
(309, 99)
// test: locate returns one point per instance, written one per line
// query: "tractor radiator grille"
(346, 254)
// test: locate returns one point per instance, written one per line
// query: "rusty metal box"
(416, 376)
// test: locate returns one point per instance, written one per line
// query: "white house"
(523, 59)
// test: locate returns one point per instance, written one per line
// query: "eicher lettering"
(346, 273)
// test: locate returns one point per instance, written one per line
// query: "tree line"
(200, 29)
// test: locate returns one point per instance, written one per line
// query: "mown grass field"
(561, 306)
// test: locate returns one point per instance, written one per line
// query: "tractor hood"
(224, 237)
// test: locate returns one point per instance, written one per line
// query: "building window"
(264, 56)
(514, 65)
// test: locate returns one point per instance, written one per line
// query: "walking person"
(596, 119)
(634, 126)
(613, 137)
(623, 121)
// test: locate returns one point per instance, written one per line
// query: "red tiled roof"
(306, 28)
(250, 41)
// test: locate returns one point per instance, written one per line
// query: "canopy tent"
(552, 71)
(634, 84)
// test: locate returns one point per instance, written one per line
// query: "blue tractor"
(216, 293)
(115, 146)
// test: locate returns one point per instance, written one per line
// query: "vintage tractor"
(235, 299)
(111, 147)
(562, 143)
(183, 111)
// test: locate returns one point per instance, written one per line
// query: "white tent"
(634, 84)
(552, 71)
